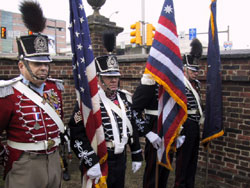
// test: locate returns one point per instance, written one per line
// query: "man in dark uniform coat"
(187, 154)
(145, 106)
(117, 122)
(31, 112)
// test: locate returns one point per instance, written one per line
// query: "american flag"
(165, 65)
(213, 113)
(84, 72)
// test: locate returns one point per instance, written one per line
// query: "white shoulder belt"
(39, 101)
(197, 97)
(109, 106)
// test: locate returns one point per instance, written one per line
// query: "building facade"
(55, 30)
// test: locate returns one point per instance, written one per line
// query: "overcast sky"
(188, 14)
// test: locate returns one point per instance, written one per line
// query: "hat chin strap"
(26, 64)
(187, 73)
(109, 91)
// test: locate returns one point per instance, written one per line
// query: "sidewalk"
(132, 180)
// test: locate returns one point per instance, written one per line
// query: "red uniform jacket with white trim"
(25, 122)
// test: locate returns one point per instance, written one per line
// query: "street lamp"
(116, 12)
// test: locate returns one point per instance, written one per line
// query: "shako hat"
(191, 60)
(33, 47)
(107, 65)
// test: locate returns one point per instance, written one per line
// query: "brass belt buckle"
(51, 143)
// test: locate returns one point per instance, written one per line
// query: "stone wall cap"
(231, 54)
(13, 56)
(241, 53)
(225, 54)
(132, 57)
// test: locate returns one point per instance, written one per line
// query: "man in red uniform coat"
(31, 112)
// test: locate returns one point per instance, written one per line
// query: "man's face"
(191, 75)
(110, 82)
(40, 70)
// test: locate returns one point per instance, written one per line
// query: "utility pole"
(143, 26)
(228, 33)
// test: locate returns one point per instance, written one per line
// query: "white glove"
(154, 139)
(95, 172)
(136, 166)
(180, 140)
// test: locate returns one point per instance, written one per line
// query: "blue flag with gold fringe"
(213, 127)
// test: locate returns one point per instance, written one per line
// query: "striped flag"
(165, 65)
(213, 112)
(84, 72)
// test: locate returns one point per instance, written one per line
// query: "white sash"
(196, 95)
(109, 106)
(121, 112)
(22, 88)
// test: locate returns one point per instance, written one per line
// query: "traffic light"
(150, 34)
(136, 33)
(3, 32)
(30, 32)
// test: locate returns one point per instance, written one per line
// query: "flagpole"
(156, 173)
(143, 25)
(206, 176)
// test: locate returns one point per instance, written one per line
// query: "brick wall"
(229, 158)
(16, 28)
(60, 69)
